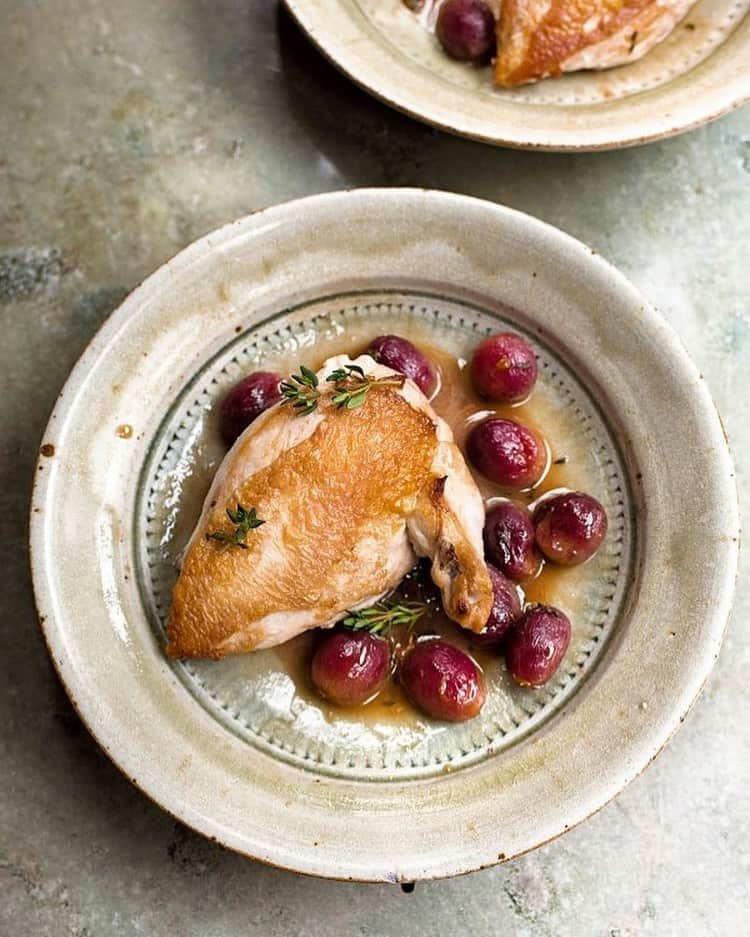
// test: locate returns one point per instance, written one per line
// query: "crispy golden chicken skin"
(541, 38)
(337, 490)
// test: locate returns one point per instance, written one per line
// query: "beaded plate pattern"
(255, 696)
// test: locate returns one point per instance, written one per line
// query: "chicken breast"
(346, 496)
(540, 38)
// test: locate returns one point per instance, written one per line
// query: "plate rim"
(339, 47)
(66, 401)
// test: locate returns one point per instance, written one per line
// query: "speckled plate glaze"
(698, 73)
(235, 749)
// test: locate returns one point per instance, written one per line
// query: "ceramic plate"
(700, 71)
(237, 748)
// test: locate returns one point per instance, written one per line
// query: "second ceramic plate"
(699, 72)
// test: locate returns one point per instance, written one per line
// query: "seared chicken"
(539, 38)
(347, 497)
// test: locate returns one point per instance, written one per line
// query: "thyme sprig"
(301, 391)
(244, 521)
(350, 388)
(381, 618)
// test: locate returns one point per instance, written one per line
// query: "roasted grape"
(246, 401)
(466, 30)
(569, 527)
(536, 646)
(506, 610)
(508, 453)
(350, 667)
(443, 681)
(399, 353)
(509, 541)
(503, 368)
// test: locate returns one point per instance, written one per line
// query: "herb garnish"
(350, 388)
(301, 391)
(382, 617)
(244, 520)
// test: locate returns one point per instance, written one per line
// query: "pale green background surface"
(127, 130)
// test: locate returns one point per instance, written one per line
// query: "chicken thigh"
(539, 38)
(346, 496)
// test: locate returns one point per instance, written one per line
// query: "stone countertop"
(129, 130)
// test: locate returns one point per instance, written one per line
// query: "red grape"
(536, 646)
(246, 401)
(506, 610)
(466, 29)
(350, 667)
(508, 453)
(509, 541)
(443, 681)
(400, 355)
(504, 368)
(569, 527)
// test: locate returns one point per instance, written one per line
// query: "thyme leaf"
(244, 521)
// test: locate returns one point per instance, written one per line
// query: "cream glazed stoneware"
(699, 72)
(232, 748)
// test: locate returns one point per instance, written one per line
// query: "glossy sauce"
(460, 406)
